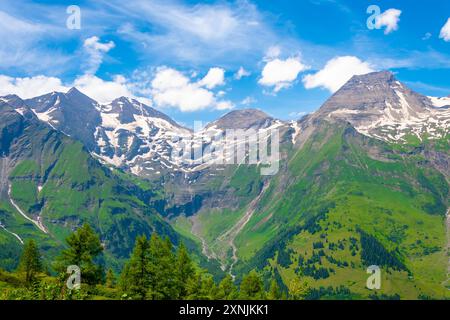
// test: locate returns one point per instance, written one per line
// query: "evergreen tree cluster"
(155, 271)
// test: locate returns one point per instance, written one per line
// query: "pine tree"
(193, 286)
(110, 281)
(227, 290)
(208, 288)
(201, 286)
(163, 284)
(135, 277)
(185, 271)
(274, 291)
(30, 262)
(83, 251)
(252, 287)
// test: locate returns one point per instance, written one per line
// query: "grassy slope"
(335, 189)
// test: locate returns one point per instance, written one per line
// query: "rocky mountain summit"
(380, 106)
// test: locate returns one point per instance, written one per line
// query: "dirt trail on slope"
(230, 236)
(37, 223)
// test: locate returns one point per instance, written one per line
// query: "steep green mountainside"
(349, 202)
(341, 203)
(54, 182)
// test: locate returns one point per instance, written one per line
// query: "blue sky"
(196, 60)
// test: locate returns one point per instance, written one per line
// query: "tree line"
(156, 270)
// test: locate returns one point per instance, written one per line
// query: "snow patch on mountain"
(380, 106)
(440, 102)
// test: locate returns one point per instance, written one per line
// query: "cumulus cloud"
(215, 77)
(171, 88)
(167, 88)
(103, 91)
(96, 51)
(336, 73)
(30, 87)
(445, 31)
(280, 74)
(241, 73)
(389, 19)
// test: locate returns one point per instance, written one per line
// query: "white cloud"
(389, 19)
(96, 51)
(103, 91)
(281, 74)
(30, 87)
(241, 73)
(336, 73)
(200, 33)
(445, 31)
(171, 88)
(224, 105)
(214, 78)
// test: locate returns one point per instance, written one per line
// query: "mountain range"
(362, 181)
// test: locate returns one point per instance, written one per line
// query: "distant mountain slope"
(125, 133)
(72, 113)
(52, 179)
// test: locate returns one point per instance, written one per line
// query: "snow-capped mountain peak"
(380, 106)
